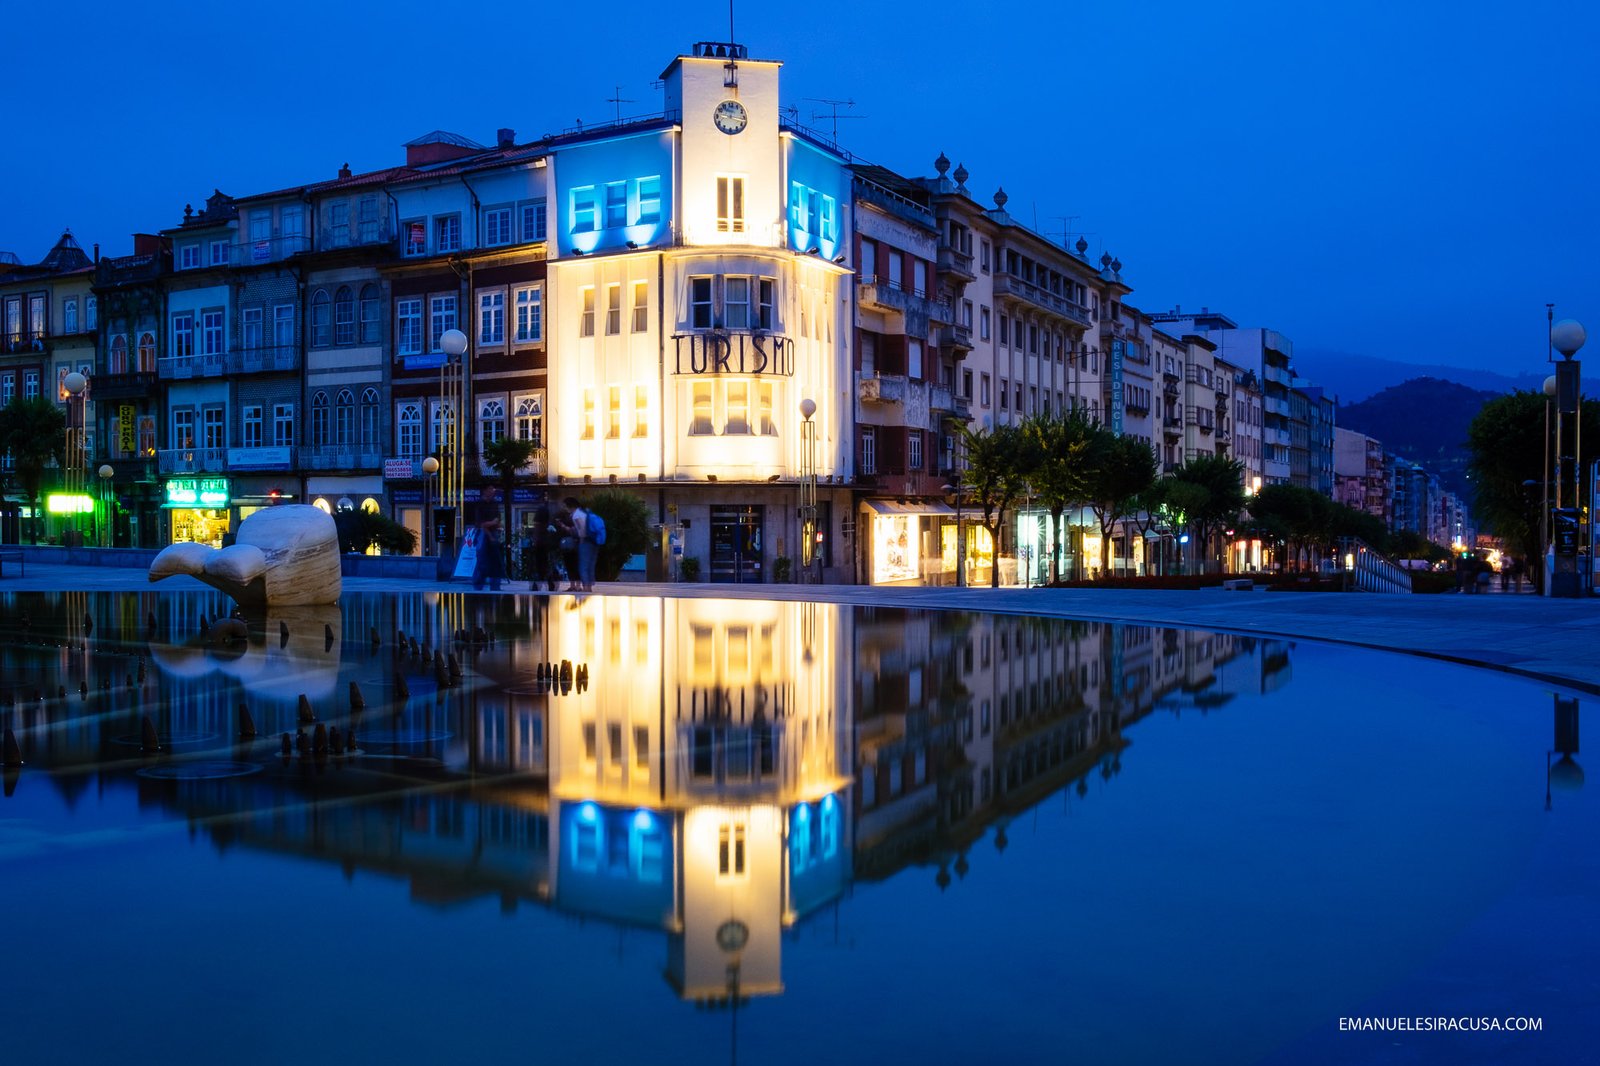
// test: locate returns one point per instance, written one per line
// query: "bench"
(1239, 584)
(15, 555)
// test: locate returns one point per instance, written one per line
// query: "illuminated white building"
(700, 291)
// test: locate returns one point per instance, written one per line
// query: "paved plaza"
(1552, 640)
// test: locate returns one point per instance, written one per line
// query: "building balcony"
(357, 235)
(1224, 436)
(957, 264)
(882, 388)
(280, 457)
(881, 294)
(1276, 405)
(1011, 285)
(132, 385)
(263, 360)
(128, 269)
(1138, 407)
(1275, 375)
(957, 337)
(179, 367)
(194, 460)
(341, 457)
(26, 341)
(1170, 389)
(895, 204)
(271, 250)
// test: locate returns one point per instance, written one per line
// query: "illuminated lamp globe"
(1567, 336)
(106, 472)
(453, 342)
(430, 466)
(1550, 385)
(75, 383)
(808, 407)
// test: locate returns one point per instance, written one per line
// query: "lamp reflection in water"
(1564, 774)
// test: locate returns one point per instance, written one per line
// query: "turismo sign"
(207, 494)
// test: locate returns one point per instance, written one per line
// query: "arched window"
(410, 423)
(369, 417)
(530, 420)
(344, 418)
(321, 319)
(319, 420)
(491, 422)
(147, 353)
(344, 316)
(370, 323)
(119, 355)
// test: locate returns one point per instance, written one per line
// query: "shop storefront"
(907, 543)
(198, 509)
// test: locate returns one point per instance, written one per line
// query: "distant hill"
(1424, 420)
(1352, 377)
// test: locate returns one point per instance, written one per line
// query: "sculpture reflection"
(727, 773)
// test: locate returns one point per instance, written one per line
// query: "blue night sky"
(1372, 178)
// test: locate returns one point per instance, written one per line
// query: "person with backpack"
(590, 529)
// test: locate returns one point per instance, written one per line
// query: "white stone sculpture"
(283, 556)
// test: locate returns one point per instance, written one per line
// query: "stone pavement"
(1552, 640)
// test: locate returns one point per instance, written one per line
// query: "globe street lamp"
(453, 343)
(808, 486)
(1566, 337)
(106, 474)
(75, 383)
(430, 467)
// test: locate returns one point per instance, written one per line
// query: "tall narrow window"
(588, 414)
(584, 210)
(530, 420)
(586, 322)
(339, 223)
(319, 419)
(183, 336)
(530, 315)
(613, 412)
(369, 314)
(497, 226)
(641, 411)
(410, 422)
(730, 205)
(641, 306)
(700, 402)
(650, 199)
(492, 318)
(321, 319)
(491, 422)
(533, 221)
(442, 319)
(369, 417)
(119, 356)
(367, 219)
(616, 205)
(251, 437)
(251, 329)
(736, 302)
(69, 316)
(344, 316)
(700, 310)
(447, 233)
(282, 425)
(408, 326)
(764, 307)
(730, 851)
(344, 418)
(613, 309)
(766, 425)
(146, 353)
(738, 407)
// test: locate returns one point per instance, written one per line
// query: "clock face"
(730, 117)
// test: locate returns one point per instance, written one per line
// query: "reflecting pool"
(637, 829)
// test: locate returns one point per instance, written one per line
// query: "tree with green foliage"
(1224, 499)
(1148, 513)
(508, 457)
(1507, 442)
(1059, 446)
(998, 462)
(1184, 500)
(360, 529)
(1118, 470)
(628, 519)
(34, 433)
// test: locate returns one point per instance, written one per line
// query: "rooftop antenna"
(618, 99)
(1066, 226)
(833, 112)
(731, 37)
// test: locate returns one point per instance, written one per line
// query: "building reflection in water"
(729, 769)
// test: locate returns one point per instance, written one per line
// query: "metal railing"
(952, 261)
(341, 457)
(199, 365)
(1006, 284)
(263, 359)
(193, 460)
(1373, 572)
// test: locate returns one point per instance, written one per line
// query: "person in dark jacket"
(491, 564)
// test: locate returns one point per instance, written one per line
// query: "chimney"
(97, 251)
(505, 137)
(344, 171)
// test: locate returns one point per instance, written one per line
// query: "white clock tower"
(730, 178)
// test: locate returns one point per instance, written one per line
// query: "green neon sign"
(69, 503)
(206, 494)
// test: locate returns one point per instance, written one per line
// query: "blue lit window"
(586, 837)
(616, 205)
(584, 215)
(799, 206)
(650, 199)
(829, 226)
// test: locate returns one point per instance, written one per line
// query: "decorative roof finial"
(1000, 198)
(961, 174)
(1083, 246)
(1105, 259)
(941, 164)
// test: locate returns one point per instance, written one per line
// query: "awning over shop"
(889, 507)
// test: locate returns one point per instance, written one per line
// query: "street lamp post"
(106, 474)
(75, 383)
(453, 343)
(1567, 336)
(430, 467)
(808, 487)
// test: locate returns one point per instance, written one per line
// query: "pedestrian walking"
(544, 540)
(589, 528)
(491, 563)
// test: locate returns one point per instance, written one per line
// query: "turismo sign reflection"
(719, 771)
